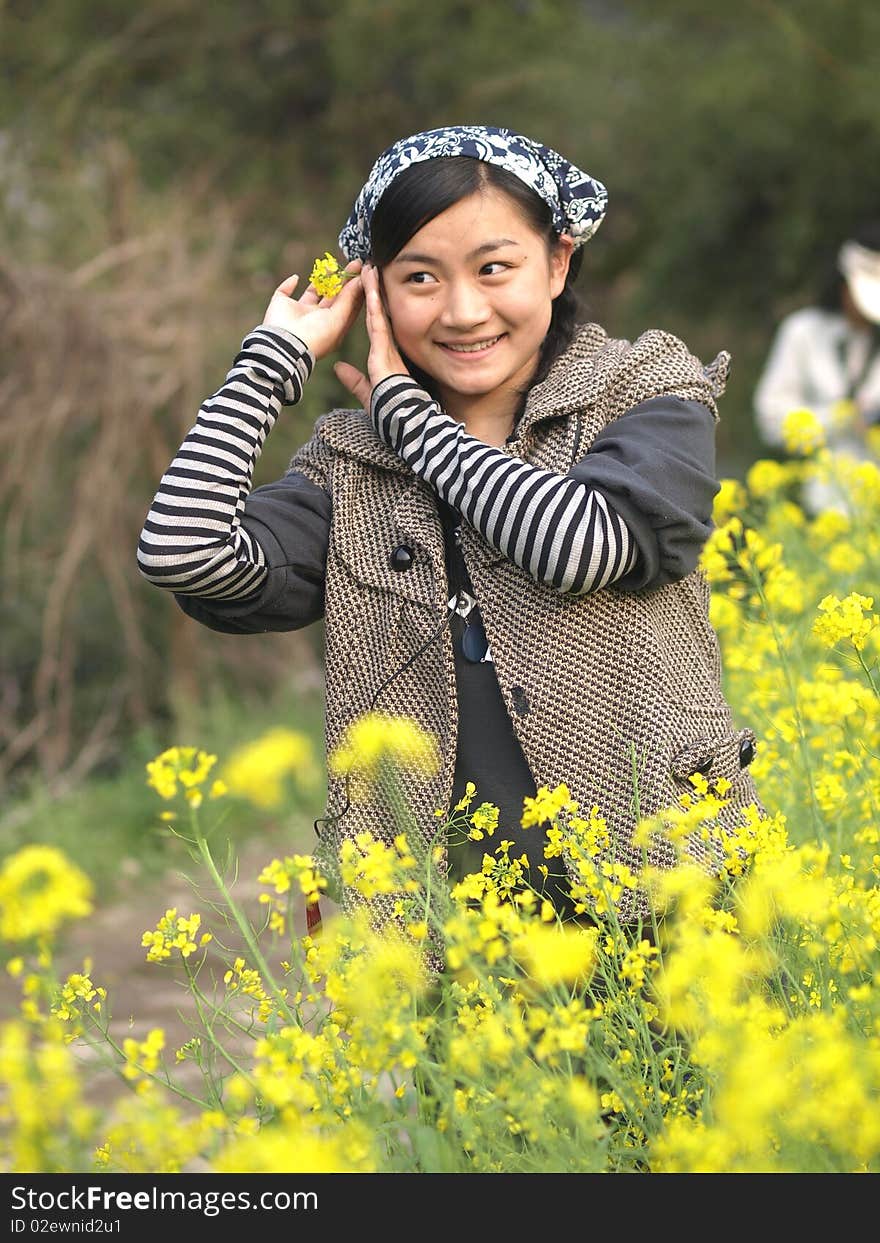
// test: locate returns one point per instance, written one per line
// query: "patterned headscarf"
(577, 200)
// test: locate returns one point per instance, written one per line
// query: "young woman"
(504, 541)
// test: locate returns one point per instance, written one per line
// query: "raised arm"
(636, 510)
(193, 541)
(236, 559)
(561, 531)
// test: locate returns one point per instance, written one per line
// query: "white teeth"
(473, 349)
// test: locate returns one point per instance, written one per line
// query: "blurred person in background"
(503, 542)
(826, 358)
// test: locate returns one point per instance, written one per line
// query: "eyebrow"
(410, 256)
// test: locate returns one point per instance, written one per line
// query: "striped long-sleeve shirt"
(560, 530)
(193, 540)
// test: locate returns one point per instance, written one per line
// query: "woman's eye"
(496, 263)
(417, 278)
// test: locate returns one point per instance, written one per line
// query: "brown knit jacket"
(594, 684)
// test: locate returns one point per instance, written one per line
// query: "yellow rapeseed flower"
(303, 868)
(378, 736)
(142, 1057)
(802, 432)
(297, 1148)
(174, 932)
(179, 766)
(40, 889)
(767, 477)
(258, 770)
(850, 618)
(731, 499)
(326, 277)
(546, 805)
(553, 955)
(484, 820)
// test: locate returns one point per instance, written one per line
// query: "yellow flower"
(257, 771)
(143, 1057)
(637, 962)
(326, 277)
(828, 526)
(849, 618)
(294, 1147)
(483, 820)
(802, 432)
(765, 477)
(546, 805)
(377, 736)
(278, 874)
(174, 932)
(39, 890)
(845, 559)
(556, 955)
(187, 766)
(731, 499)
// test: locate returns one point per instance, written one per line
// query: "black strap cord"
(382, 685)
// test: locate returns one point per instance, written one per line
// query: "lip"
(446, 346)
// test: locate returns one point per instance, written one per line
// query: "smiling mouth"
(475, 347)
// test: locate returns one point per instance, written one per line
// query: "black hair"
(831, 289)
(427, 188)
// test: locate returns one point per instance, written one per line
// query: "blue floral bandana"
(577, 200)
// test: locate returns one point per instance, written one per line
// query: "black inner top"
(488, 753)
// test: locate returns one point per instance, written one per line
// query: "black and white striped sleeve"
(193, 541)
(561, 531)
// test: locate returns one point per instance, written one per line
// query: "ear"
(560, 261)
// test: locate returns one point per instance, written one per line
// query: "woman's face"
(469, 296)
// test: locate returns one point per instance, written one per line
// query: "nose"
(465, 306)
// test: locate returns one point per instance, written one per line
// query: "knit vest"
(618, 694)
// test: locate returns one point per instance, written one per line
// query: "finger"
(355, 381)
(351, 294)
(377, 320)
(382, 345)
(288, 285)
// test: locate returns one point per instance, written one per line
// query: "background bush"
(164, 163)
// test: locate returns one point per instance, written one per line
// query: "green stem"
(637, 813)
(818, 823)
(199, 998)
(868, 674)
(149, 1074)
(242, 923)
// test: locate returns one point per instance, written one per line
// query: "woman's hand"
(320, 323)
(384, 358)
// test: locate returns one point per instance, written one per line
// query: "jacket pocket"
(388, 536)
(725, 755)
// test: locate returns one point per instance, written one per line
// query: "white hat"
(861, 267)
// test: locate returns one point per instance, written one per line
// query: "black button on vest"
(705, 767)
(746, 752)
(520, 700)
(401, 558)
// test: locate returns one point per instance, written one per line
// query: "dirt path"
(144, 995)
